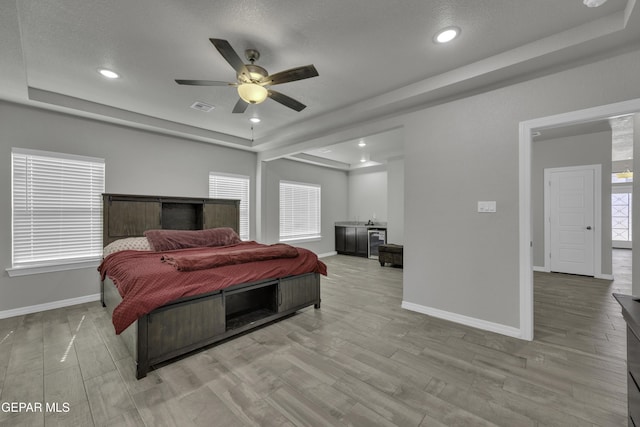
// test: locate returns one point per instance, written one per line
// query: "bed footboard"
(192, 323)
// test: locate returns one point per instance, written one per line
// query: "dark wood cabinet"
(341, 239)
(631, 314)
(352, 240)
(362, 241)
(131, 216)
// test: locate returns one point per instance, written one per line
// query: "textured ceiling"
(374, 57)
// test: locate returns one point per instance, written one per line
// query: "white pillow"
(129, 243)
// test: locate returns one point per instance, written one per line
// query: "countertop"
(379, 224)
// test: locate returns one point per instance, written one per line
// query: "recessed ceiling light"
(446, 34)
(362, 144)
(594, 3)
(254, 120)
(108, 73)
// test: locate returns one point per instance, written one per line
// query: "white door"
(571, 220)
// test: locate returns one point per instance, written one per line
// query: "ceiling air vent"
(202, 106)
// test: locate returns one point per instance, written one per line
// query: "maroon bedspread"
(235, 254)
(146, 283)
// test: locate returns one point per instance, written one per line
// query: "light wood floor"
(359, 360)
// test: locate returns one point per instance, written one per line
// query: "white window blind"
(57, 207)
(227, 186)
(299, 211)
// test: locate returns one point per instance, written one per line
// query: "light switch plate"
(487, 206)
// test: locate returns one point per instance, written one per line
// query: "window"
(621, 213)
(299, 211)
(227, 186)
(57, 208)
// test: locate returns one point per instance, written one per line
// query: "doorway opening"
(525, 191)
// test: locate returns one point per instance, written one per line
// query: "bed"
(194, 296)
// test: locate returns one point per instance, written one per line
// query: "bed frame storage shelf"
(182, 216)
(130, 216)
(246, 306)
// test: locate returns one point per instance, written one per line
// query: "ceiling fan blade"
(286, 101)
(203, 83)
(230, 55)
(292, 75)
(240, 106)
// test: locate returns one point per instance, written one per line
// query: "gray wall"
(455, 259)
(333, 184)
(578, 150)
(395, 201)
(137, 162)
(379, 190)
(368, 194)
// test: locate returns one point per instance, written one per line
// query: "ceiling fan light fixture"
(624, 175)
(251, 79)
(252, 93)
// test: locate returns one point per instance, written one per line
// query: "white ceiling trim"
(106, 113)
(417, 93)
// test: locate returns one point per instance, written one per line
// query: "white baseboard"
(596, 276)
(464, 320)
(327, 254)
(48, 306)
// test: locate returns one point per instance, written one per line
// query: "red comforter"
(145, 282)
(235, 254)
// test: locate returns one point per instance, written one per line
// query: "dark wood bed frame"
(191, 323)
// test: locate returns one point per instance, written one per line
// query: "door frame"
(597, 215)
(524, 190)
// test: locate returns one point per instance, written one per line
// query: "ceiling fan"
(254, 82)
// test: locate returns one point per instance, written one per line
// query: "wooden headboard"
(126, 215)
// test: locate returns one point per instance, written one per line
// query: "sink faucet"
(369, 222)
